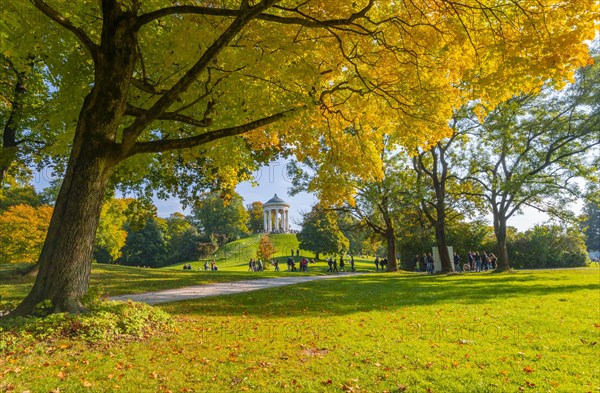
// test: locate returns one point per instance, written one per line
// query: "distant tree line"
(130, 231)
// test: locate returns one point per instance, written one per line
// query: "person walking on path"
(429, 267)
(383, 264)
(342, 264)
(493, 261)
(277, 266)
(376, 263)
(352, 263)
(456, 262)
(330, 264)
(335, 269)
(477, 261)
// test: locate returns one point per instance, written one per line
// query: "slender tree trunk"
(390, 237)
(500, 231)
(10, 146)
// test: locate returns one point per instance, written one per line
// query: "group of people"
(381, 263)
(291, 264)
(213, 266)
(424, 263)
(476, 262)
(333, 264)
(479, 262)
(255, 265)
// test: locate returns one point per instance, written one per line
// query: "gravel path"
(224, 288)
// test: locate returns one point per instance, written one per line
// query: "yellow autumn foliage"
(22, 232)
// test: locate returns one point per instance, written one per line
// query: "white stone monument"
(276, 215)
(437, 261)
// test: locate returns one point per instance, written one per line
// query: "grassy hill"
(236, 254)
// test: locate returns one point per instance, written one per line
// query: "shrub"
(107, 320)
(548, 246)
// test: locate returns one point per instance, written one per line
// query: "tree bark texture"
(391, 251)
(10, 144)
(65, 260)
(502, 263)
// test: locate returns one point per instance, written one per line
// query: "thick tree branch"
(131, 133)
(305, 20)
(67, 24)
(147, 87)
(182, 143)
(204, 122)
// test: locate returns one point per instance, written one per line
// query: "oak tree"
(535, 147)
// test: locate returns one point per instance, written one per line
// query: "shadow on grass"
(376, 292)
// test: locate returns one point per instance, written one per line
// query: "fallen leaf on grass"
(528, 369)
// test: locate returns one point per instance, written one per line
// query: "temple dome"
(276, 201)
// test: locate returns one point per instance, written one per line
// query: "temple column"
(280, 219)
(287, 220)
(265, 222)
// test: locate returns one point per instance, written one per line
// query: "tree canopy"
(217, 216)
(321, 234)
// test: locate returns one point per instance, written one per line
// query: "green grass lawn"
(119, 280)
(524, 331)
(232, 260)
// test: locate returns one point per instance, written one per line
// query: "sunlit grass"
(531, 331)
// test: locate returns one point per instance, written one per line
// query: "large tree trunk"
(500, 231)
(390, 237)
(65, 261)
